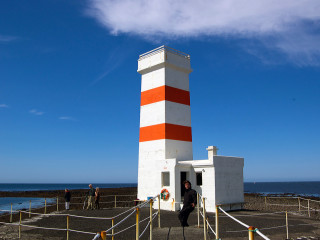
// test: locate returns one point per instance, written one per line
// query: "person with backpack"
(91, 195)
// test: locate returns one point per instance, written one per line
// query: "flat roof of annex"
(164, 49)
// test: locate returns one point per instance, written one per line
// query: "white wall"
(228, 179)
(165, 112)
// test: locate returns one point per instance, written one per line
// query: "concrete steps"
(178, 233)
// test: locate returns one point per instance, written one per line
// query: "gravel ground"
(299, 225)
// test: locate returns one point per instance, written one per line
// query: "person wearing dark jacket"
(67, 197)
(189, 202)
(91, 195)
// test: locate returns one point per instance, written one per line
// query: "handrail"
(132, 210)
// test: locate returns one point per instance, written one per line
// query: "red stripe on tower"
(165, 93)
(165, 131)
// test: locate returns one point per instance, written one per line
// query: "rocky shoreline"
(75, 193)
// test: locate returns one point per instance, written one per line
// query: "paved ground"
(170, 226)
(178, 233)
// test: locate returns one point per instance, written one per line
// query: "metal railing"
(163, 49)
(136, 210)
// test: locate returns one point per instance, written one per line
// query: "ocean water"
(21, 203)
(295, 188)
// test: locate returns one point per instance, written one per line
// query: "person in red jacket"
(67, 197)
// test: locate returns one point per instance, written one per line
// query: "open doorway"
(183, 177)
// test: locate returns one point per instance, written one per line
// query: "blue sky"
(70, 91)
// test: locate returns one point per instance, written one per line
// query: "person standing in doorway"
(67, 197)
(189, 203)
(91, 194)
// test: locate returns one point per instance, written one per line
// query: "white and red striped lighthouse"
(165, 117)
(165, 143)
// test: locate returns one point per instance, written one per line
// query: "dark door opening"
(183, 177)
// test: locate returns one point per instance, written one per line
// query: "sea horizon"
(258, 181)
(311, 188)
(298, 188)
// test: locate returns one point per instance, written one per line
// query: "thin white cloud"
(114, 59)
(4, 38)
(4, 106)
(293, 24)
(66, 118)
(36, 112)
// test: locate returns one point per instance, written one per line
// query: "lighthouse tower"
(165, 118)
(165, 142)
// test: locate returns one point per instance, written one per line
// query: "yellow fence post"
(11, 214)
(45, 206)
(217, 222)
(204, 219)
(309, 207)
(30, 209)
(20, 225)
(198, 211)
(159, 226)
(112, 224)
(299, 204)
(115, 201)
(287, 226)
(57, 204)
(251, 233)
(67, 227)
(137, 223)
(207, 225)
(151, 203)
(103, 235)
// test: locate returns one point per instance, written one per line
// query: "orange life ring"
(165, 194)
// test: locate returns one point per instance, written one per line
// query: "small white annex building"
(165, 143)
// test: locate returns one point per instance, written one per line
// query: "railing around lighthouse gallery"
(161, 49)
